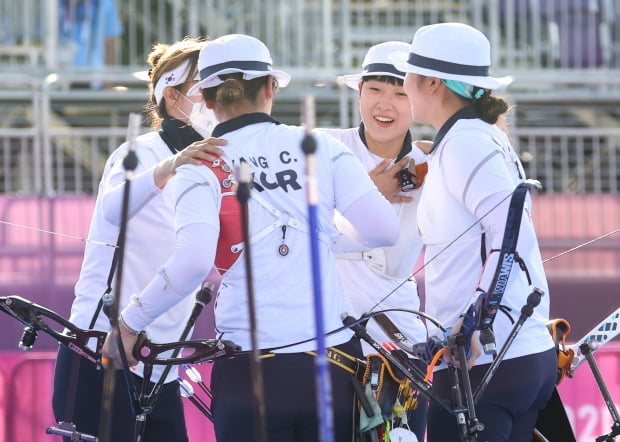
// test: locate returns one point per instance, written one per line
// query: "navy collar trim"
(177, 135)
(403, 151)
(242, 121)
(466, 113)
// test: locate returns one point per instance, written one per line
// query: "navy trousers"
(508, 407)
(290, 398)
(166, 423)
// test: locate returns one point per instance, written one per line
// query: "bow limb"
(533, 183)
(528, 183)
(34, 316)
(490, 301)
(481, 313)
(37, 318)
(199, 351)
(211, 349)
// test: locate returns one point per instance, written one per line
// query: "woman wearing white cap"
(473, 171)
(149, 242)
(238, 83)
(380, 278)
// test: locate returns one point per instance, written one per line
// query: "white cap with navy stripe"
(235, 53)
(450, 51)
(377, 62)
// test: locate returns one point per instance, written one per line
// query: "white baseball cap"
(377, 62)
(450, 51)
(235, 53)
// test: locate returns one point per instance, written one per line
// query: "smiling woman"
(384, 146)
(473, 172)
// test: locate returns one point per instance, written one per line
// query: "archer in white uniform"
(238, 82)
(473, 171)
(149, 242)
(381, 278)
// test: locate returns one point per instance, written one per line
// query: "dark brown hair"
(235, 90)
(490, 108)
(389, 79)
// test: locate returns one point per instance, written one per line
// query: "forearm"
(374, 220)
(183, 272)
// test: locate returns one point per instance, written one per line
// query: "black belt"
(342, 359)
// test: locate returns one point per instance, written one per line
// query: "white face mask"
(202, 119)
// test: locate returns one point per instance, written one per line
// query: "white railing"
(77, 157)
(70, 160)
(59, 122)
(572, 160)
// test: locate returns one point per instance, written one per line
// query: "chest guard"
(231, 231)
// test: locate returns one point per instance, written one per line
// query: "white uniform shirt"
(371, 275)
(149, 242)
(283, 288)
(475, 161)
